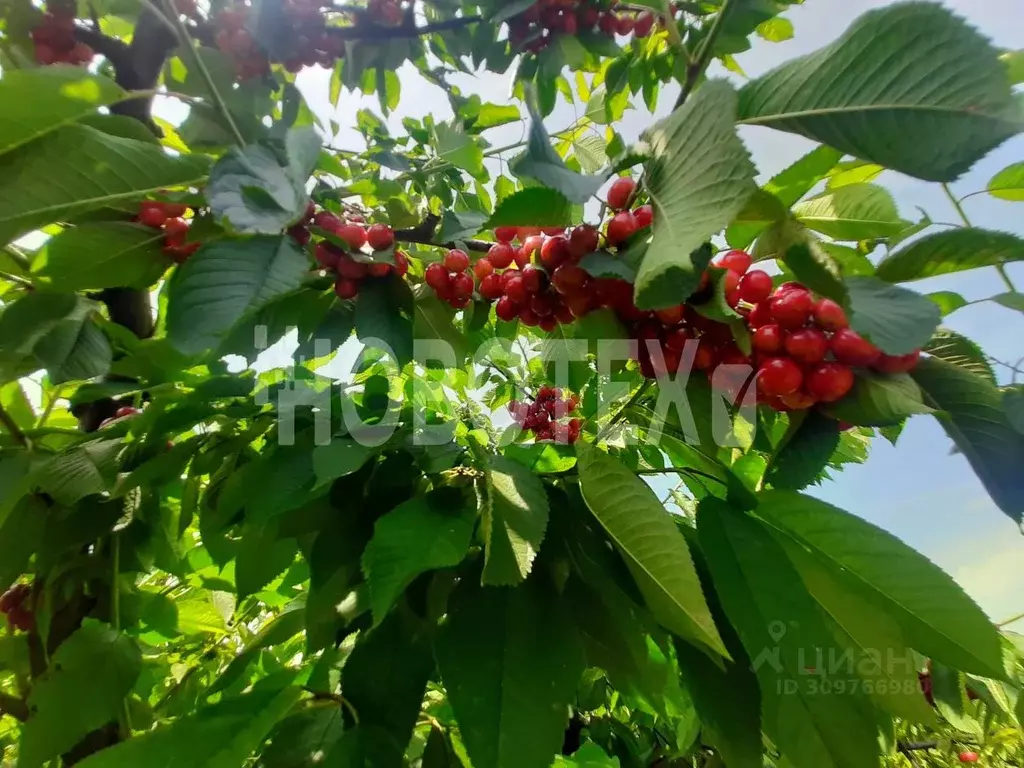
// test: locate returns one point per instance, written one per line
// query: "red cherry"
(515, 289)
(462, 285)
(534, 279)
(756, 286)
(401, 263)
(459, 302)
(529, 318)
(583, 240)
(779, 376)
(732, 283)
(125, 410)
(569, 279)
(505, 234)
(548, 323)
(622, 226)
(851, 348)
(624, 24)
(327, 255)
(672, 315)
(175, 231)
(768, 339)
(737, 261)
(608, 23)
(541, 306)
(563, 314)
(621, 191)
(554, 252)
(350, 268)
(456, 260)
(380, 237)
(807, 345)
(378, 269)
(553, 231)
(791, 309)
(643, 25)
(644, 215)
(968, 757)
(506, 309)
(579, 304)
(531, 245)
(829, 382)
(438, 278)
(759, 315)
(501, 255)
(354, 235)
(345, 288)
(798, 401)
(328, 222)
(525, 232)
(898, 363)
(830, 316)
(490, 287)
(152, 215)
(483, 268)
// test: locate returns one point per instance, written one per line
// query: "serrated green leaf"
(853, 212)
(960, 351)
(653, 547)
(894, 319)
(384, 312)
(803, 458)
(972, 415)
(278, 630)
(80, 471)
(878, 400)
(1010, 300)
(950, 696)
(533, 206)
(510, 660)
(433, 321)
(22, 523)
(341, 457)
(699, 178)
(102, 255)
(458, 148)
(948, 302)
(950, 251)
(1008, 184)
(814, 266)
(263, 555)
(514, 520)
(960, 108)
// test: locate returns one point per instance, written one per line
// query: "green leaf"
(533, 206)
(95, 169)
(879, 400)
(894, 319)
(263, 555)
(458, 148)
(226, 279)
(803, 457)
(80, 471)
(98, 255)
(854, 212)
(777, 621)
(953, 250)
(278, 630)
(948, 103)
(223, 735)
(948, 302)
(589, 755)
(937, 617)
(456, 226)
(421, 535)
(950, 696)
(699, 178)
(510, 660)
(341, 457)
(514, 519)
(260, 189)
(1014, 61)
(383, 312)
(42, 99)
(814, 266)
(1008, 184)
(303, 739)
(802, 176)
(70, 699)
(960, 351)
(433, 321)
(653, 547)
(22, 523)
(605, 264)
(973, 416)
(1010, 300)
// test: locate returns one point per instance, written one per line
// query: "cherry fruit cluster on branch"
(549, 416)
(14, 604)
(124, 412)
(170, 218)
(350, 263)
(535, 28)
(54, 39)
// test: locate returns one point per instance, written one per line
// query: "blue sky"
(918, 490)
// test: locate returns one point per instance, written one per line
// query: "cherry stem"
(8, 423)
(704, 55)
(957, 204)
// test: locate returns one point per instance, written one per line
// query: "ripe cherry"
(483, 268)
(175, 231)
(152, 215)
(401, 263)
(531, 245)
(644, 215)
(791, 309)
(569, 279)
(378, 269)
(490, 287)
(798, 401)
(731, 287)
(807, 345)
(759, 315)
(529, 318)
(534, 279)
(541, 306)
(898, 363)
(456, 260)
(829, 382)
(328, 222)
(851, 348)
(462, 285)
(829, 315)
(327, 255)
(756, 286)
(506, 309)
(768, 339)
(737, 261)
(345, 288)
(515, 289)
(671, 315)
(125, 410)
(779, 376)
(380, 237)
(437, 277)
(622, 226)
(643, 25)
(554, 252)
(350, 268)
(354, 235)
(624, 24)
(621, 191)
(583, 240)
(501, 255)
(968, 757)
(553, 231)
(505, 234)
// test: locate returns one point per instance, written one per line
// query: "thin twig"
(1000, 268)
(1011, 620)
(510, 378)
(17, 279)
(7, 422)
(680, 471)
(621, 413)
(19, 258)
(704, 55)
(423, 234)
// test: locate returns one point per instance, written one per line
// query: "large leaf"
(43, 99)
(420, 535)
(960, 351)
(81, 471)
(699, 178)
(778, 621)
(1008, 184)
(853, 212)
(533, 206)
(225, 280)
(222, 735)
(95, 170)
(653, 547)
(878, 400)
(261, 188)
(510, 660)
(280, 629)
(515, 517)
(895, 319)
(802, 458)
(937, 617)
(952, 250)
(98, 255)
(71, 699)
(458, 148)
(263, 555)
(384, 311)
(973, 416)
(944, 103)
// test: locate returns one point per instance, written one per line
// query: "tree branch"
(7, 422)
(115, 51)
(704, 55)
(13, 707)
(423, 234)
(373, 32)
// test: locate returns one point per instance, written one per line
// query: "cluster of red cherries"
(350, 264)
(14, 604)
(169, 217)
(54, 38)
(548, 417)
(539, 25)
(124, 412)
